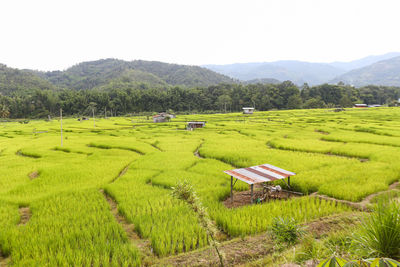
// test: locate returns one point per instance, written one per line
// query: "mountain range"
(385, 72)
(88, 75)
(114, 73)
(353, 72)
(106, 73)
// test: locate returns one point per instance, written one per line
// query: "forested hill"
(385, 72)
(101, 73)
(20, 81)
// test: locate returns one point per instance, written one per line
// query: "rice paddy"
(345, 155)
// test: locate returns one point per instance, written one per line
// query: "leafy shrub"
(310, 249)
(380, 231)
(286, 230)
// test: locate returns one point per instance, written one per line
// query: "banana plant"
(333, 262)
(374, 262)
(383, 262)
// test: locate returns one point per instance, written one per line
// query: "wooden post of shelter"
(251, 188)
(231, 189)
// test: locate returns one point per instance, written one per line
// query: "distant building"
(360, 105)
(168, 115)
(374, 106)
(163, 117)
(248, 110)
(195, 124)
(159, 118)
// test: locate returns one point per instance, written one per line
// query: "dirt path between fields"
(3, 261)
(196, 152)
(33, 175)
(122, 172)
(366, 200)
(363, 205)
(361, 159)
(354, 205)
(241, 250)
(155, 145)
(143, 245)
(25, 214)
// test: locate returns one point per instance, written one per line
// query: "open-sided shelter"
(258, 174)
(248, 110)
(191, 125)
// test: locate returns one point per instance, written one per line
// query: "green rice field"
(345, 155)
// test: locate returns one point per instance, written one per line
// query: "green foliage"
(309, 249)
(332, 262)
(105, 72)
(384, 262)
(137, 162)
(314, 103)
(380, 231)
(21, 81)
(376, 262)
(119, 87)
(286, 230)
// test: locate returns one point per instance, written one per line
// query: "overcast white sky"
(56, 34)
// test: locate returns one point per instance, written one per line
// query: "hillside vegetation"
(21, 82)
(88, 75)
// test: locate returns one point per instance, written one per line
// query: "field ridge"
(142, 244)
(362, 205)
(25, 215)
(241, 250)
(122, 172)
(3, 261)
(330, 153)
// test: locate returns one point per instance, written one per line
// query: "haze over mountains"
(301, 72)
(385, 72)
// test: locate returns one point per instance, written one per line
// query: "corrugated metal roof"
(259, 174)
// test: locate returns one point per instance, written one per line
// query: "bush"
(310, 249)
(380, 231)
(286, 230)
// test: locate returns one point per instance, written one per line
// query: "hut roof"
(259, 174)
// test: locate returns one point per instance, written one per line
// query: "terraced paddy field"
(104, 197)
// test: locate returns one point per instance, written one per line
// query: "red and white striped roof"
(260, 174)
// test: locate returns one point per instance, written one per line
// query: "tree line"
(117, 100)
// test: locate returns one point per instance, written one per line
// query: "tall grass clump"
(380, 231)
(286, 230)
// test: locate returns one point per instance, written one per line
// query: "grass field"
(344, 155)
